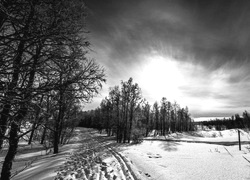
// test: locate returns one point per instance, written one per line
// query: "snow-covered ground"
(185, 159)
(179, 160)
(88, 156)
(177, 156)
(41, 166)
(211, 136)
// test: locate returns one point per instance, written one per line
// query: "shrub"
(137, 136)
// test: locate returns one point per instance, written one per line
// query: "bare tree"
(115, 98)
(35, 36)
(131, 94)
(156, 116)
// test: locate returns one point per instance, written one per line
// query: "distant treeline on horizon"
(235, 121)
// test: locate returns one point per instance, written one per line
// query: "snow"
(210, 136)
(44, 168)
(181, 160)
(186, 156)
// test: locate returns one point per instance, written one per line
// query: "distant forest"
(235, 121)
(127, 115)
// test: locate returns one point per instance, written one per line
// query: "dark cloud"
(208, 30)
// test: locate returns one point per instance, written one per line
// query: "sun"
(161, 77)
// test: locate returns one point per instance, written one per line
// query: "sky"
(190, 51)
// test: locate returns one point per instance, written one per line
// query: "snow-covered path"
(89, 156)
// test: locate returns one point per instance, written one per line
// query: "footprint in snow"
(155, 156)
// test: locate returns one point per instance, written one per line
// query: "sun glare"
(161, 77)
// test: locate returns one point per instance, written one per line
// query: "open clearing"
(178, 156)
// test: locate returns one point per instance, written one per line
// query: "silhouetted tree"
(130, 96)
(36, 37)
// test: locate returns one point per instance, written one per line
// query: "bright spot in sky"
(161, 77)
(186, 83)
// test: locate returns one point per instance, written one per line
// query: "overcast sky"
(192, 51)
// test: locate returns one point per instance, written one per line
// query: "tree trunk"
(125, 129)
(62, 135)
(121, 135)
(9, 94)
(58, 122)
(56, 132)
(32, 133)
(124, 134)
(130, 124)
(13, 144)
(164, 125)
(118, 129)
(43, 135)
(117, 134)
(37, 120)
(46, 121)
(14, 81)
(4, 122)
(56, 142)
(13, 141)
(62, 109)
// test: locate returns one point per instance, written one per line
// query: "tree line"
(44, 73)
(127, 115)
(235, 121)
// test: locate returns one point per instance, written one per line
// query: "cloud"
(209, 32)
(209, 40)
(216, 91)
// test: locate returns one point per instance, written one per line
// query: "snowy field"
(177, 156)
(180, 160)
(225, 137)
(189, 157)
